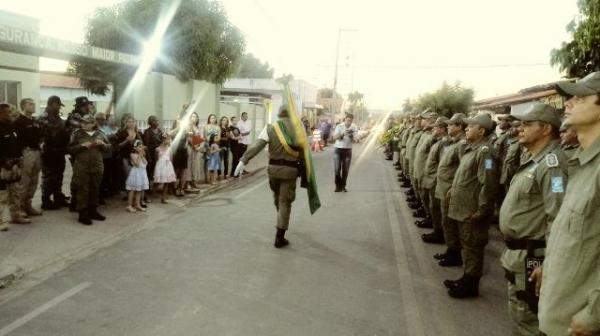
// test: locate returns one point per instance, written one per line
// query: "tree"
(200, 42)
(327, 93)
(252, 67)
(581, 55)
(447, 100)
(357, 104)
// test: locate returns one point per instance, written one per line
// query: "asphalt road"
(357, 267)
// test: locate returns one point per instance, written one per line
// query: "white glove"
(239, 169)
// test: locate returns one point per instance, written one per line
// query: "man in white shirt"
(345, 135)
(245, 127)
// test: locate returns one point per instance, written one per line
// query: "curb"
(10, 274)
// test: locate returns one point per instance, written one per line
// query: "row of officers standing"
(464, 177)
(30, 146)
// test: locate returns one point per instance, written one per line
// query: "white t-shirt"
(346, 141)
(245, 127)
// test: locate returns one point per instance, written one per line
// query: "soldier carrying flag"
(289, 158)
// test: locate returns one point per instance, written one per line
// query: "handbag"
(11, 172)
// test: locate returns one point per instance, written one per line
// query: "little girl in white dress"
(164, 173)
(137, 181)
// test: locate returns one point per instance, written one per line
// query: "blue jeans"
(342, 158)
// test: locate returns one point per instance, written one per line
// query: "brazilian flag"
(299, 138)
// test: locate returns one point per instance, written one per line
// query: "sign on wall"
(18, 40)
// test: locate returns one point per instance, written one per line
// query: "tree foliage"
(200, 42)
(252, 67)
(581, 55)
(447, 100)
(327, 93)
(357, 103)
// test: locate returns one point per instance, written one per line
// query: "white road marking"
(411, 309)
(43, 308)
(249, 191)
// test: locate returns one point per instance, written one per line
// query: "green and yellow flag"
(300, 139)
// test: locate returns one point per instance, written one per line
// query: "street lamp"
(337, 56)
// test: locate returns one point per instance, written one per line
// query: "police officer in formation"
(55, 139)
(532, 201)
(87, 146)
(547, 172)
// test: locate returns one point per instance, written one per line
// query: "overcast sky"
(398, 48)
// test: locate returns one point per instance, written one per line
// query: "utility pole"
(337, 58)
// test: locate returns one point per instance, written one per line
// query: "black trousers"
(53, 168)
(236, 152)
(342, 158)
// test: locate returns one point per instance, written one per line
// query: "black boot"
(405, 184)
(396, 164)
(452, 259)
(95, 215)
(61, 200)
(409, 192)
(435, 237)
(47, 204)
(425, 223)
(414, 206)
(412, 199)
(440, 256)
(420, 213)
(469, 288)
(453, 283)
(84, 217)
(280, 240)
(73, 203)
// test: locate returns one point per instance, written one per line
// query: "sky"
(389, 49)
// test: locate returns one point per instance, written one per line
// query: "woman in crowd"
(224, 146)
(180, 157)
(196, 149)
(124, 139)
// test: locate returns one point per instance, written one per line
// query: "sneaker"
(130, 209)
(141, 209)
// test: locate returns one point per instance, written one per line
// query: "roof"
(524, 95)
(58, 80)
(513, 99)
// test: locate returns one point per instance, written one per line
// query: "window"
(9, 92)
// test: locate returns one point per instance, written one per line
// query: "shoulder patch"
(485, 149)
(551, 160)
(463, 142)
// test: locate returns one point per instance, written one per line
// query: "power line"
(418, 67)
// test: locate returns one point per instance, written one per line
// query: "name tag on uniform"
(489, 164)
(557, 184)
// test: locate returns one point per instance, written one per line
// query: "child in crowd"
(164, 173)
(214, 159)
(137, 181)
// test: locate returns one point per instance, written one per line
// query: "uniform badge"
(551, 160)
(489, 164)
(557, 184)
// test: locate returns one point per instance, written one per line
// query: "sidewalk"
(57, 239)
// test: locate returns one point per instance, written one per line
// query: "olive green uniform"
(411, 147)
(449, 161)
(532, 201)
(512, 161)
(429, 180)
(404, 149)
(282, 171)
(87, 167)
(571, 276)
(473, 191)
(421, 153)
(569, 150)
